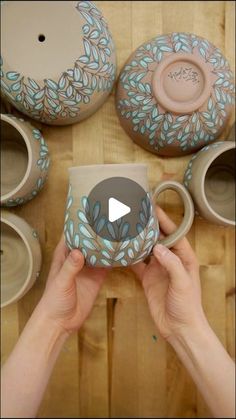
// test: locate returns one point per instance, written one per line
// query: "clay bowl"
(175, 94)
(58, 59)
(20, 257)
(24, 161)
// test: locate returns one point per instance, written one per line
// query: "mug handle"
(187, 221)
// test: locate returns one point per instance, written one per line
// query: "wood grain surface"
(118, 365)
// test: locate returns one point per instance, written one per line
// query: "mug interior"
(14, 158)
(219, 185)
(15, 263)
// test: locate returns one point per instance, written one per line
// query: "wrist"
(47, 327)
(193, 332)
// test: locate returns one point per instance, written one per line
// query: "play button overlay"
(119, 209)
(116, 209)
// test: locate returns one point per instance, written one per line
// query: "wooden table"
(118, 365)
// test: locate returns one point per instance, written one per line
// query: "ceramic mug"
(20, 257)
(24, 161)
(84, 220)
(210, 179)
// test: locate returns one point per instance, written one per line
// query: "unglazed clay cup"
(58, 61)
(175, 94)
(105, 243)
(20, 257)
(24, 161)
(210, 179)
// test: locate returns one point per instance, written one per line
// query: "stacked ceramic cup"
(174, 97)
(24, 167)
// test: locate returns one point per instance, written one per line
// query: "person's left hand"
(71, 289)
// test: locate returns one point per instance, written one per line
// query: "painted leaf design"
(71, 228)
(96, 211)
(136, 245)
(52, 84)
(82, 216)
(84, 252)
(108, 244)
(106, 254)
(12, 75)
(100, 224)
(111, 230)
(33, 84)
(140, 231)
(89, 244)
(125, 230)
(124, 244)
(131, 253)
(85, 204)
(105, 262)
(124, 262)
(119, 256)
(93, 260)
(69, 202)
(39, 94)
(76, 241)
(150, 235)
(68, 238)
(85, 231)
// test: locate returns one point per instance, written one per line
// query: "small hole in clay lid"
(41, 38)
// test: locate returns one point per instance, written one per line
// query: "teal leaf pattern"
(92, 72)
(159, 128)
(99, 251)
(188, 172)
(43, 163)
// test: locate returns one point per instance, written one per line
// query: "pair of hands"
(170, 281)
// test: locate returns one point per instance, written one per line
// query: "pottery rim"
(20, 292)
(110, 165)
(23, 181)
(210, 161)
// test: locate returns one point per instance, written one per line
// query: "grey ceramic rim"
(17, 126)
(227, 145)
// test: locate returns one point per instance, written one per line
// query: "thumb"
(172, 264)
(71, 267)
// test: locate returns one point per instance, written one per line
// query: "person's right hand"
(172, 285)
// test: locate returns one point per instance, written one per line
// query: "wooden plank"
(138, 361)
(151, 363)
(214, 304)
(61, 399)
(93, 365)
(115, 367)
(124, 373)
(181, 392)
(230, 290)
(9, 330)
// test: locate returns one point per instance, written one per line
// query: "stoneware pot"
(88, 225)
(24, 161)
(58, 59)
(210, 179)
(175, 94)
(20, 257)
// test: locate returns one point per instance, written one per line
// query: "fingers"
(59, 256)
(138, 269)
(182, 248)
(71, 267)
(172, 264)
